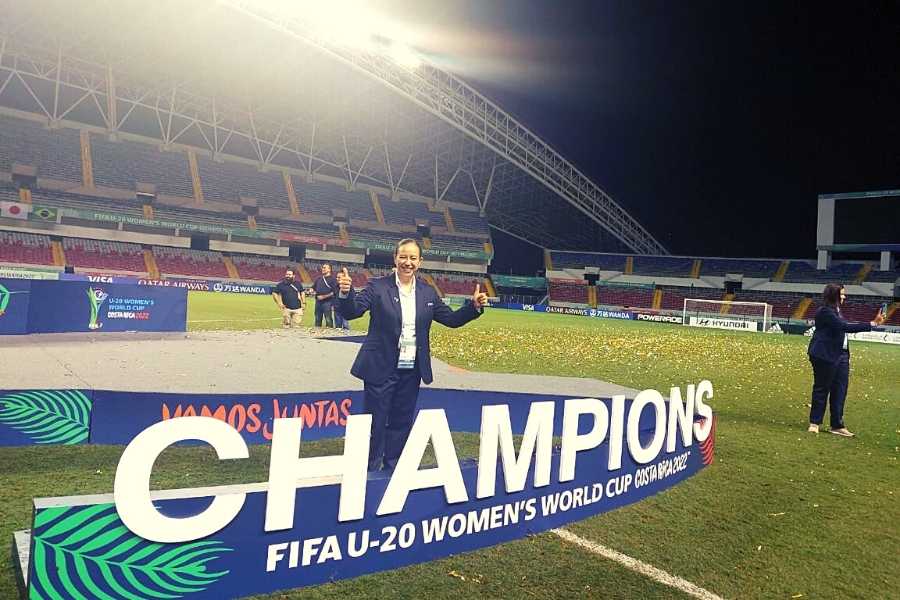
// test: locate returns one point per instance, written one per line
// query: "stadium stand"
(579, 260)
(56, 153)
(456, 284)
(746, 267)
(320, 230)
(25, 248)
(625, 296)
(568, 290)
(206, 217)
(226, 182)
(469, 222)
(120, 164)
(455, 242)
(103, 255)
(669, 266)
(673, 297)
(883, 276)
(262, 268)
(190, 263)
(321, 198)
(362, 234)
(404, 212)
(783, 303)
(805, 271)
(123, 164)
(8, 192)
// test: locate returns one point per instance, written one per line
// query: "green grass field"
(780, 513)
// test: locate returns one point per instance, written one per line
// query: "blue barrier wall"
(14, 297)
(46, 306)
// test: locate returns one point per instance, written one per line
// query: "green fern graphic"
(86, 552)
(48, 417)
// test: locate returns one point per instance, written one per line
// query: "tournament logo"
(4, 299)
(97, 298)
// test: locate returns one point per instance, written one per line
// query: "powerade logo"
(659, 318)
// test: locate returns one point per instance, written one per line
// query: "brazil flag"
(44, 213)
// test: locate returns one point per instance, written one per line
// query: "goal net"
(726, 314)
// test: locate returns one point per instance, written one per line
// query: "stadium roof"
(257, 79)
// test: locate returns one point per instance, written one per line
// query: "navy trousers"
(324, 308)
(392, 404)
(830, 381)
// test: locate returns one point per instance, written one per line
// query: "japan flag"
(14, 210)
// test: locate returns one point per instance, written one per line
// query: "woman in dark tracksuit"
(829, 353)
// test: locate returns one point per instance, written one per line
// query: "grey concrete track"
(260, 361)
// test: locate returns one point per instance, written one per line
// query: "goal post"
(727, 314)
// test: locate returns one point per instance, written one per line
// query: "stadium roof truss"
(235, 77)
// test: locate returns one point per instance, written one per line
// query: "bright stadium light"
(405, 56)
(350, 24)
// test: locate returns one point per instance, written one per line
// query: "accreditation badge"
(407, 358)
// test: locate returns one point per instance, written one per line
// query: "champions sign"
(325, 518)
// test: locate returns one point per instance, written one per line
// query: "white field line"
(640, 567)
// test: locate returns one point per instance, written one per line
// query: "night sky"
(716, 124)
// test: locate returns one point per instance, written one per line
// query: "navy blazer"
(377, 359)
(827, 341)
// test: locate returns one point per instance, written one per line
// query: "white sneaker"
(843, 432)
(813, 428)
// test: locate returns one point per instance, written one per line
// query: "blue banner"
(422, 523)
(67, 306)
(49, 306)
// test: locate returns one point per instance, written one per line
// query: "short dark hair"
(404, 242)
(832, 294)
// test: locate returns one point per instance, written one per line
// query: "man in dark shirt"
(325, 286)
(288, 295)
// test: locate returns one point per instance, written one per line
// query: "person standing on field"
(829, 354)
(395, 357)
(288, 296)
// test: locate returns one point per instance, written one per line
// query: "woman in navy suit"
(396, 355)
(829, 353)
